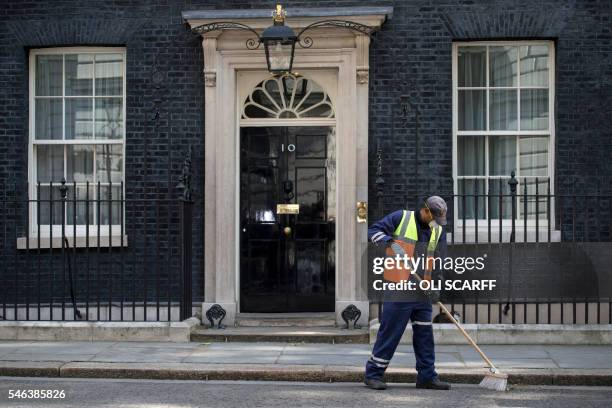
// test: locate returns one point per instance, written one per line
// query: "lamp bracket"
(303, 41)
(251, 43)
(306, 42)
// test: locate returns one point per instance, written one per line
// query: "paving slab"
(510, 351)
(245, 346)
(47, 357)
(142, 355)
(582, 349)
(63, 347)
(525, 363)
(335, 359)
(315, 348)
(477, 362)
(582, 362)
(14, 343)
(232, 356)
(150, 344)
(7, 350)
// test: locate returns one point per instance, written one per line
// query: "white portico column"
(352, 188)
(219, 234)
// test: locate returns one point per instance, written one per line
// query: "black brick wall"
(410, 87)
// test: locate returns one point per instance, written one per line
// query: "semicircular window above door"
(287, 97)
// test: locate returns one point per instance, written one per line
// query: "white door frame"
(328, 80)
(337, 49)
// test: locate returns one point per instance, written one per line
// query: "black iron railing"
(511, 217)
(112, 256)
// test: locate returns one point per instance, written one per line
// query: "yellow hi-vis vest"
(406, 235)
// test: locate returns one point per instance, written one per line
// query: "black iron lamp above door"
(279, 40)
(279, 43)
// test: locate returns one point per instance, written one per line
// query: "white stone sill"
(115, 241)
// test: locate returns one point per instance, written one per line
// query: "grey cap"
(438, 208)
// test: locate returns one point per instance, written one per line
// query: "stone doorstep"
(275, 372)
(568, 334)
(282, 334)
(286, 320)
(98, 331)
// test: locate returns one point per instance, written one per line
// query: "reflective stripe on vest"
(407, 231)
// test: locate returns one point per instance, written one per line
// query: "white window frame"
(470, 224)
(69, 230)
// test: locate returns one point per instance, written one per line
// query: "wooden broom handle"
(466, 335)
(461, 329)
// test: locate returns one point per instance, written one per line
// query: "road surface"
(81, 393)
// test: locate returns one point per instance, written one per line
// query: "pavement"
(120, 393)
(525, 364)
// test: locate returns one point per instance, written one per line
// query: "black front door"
(287, 260)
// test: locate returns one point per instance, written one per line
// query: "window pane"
(48, 118)
(47, 207)
(472, 197)
(79, 74)
(472, 111)
(304, 102)
(80, 163)
(502, 66)
(502, 155)
(534, 109)
(79, 118)
(109, 118)
(81, 207)
(110, 205)
(505, 200)
(534, 155)
(502, 110)
(109, 163)
(542, 201)
(49, 163)
(471, 155)
(472, 66)
(534, 65)
(310, 194)
(109, 74)
(49, 75)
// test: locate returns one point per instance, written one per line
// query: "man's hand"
(432, 295)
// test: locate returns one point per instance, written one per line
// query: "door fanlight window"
(287, 97)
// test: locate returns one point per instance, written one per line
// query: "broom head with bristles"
(494, 380)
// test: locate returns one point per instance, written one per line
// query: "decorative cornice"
(297, 18)
(292, 12)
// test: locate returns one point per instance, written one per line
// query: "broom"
(494, 379)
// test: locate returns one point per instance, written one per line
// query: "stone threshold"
(302, 320)
(281, 334)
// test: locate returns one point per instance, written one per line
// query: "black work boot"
(434, 384)
(375, 384)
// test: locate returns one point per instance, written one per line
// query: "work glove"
(433, 296)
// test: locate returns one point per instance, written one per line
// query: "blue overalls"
(395, 315)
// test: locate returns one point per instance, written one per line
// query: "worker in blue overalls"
(403, 232)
